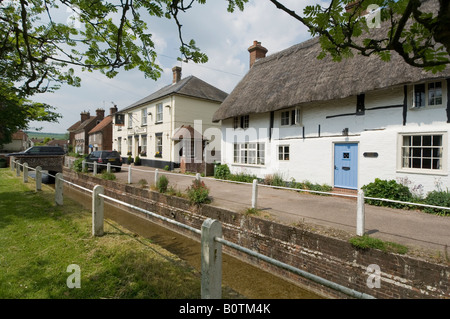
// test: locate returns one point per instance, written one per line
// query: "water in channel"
(247, 280)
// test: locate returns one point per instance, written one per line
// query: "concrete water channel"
(245, 279)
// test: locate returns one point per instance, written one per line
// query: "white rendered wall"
(312, 156)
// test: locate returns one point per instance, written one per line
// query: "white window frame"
(427, 92)
(159, 113)
(144, 116)
(282, 153)
(249, 153)
(158, 143)
(130, 120)
(290, 117)
(119, 145)
(143, 144)
(242, 122)
(409, 156)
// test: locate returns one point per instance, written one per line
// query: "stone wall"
(330, 258)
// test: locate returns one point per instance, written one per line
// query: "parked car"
(105, 157)
(40, 150)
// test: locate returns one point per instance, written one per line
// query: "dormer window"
(241, 122)
(427, 94)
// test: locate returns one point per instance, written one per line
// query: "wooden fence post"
(25, 172)
(97, 210)
(156, 176)
(255, 193)
(211, 260)
(59, 189)
(360, 213)
(38, 178)
(129, 174)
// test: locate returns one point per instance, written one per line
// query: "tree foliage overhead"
(421, 37)
(41, 41)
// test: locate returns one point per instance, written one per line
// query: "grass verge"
(39, 240)
(366, 242)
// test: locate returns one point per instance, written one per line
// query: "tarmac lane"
(331, 214)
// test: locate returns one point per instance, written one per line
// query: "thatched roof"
(190, 86)
(295, 76)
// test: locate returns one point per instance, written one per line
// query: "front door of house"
(346, 165)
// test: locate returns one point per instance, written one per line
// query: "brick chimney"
(113, 110)
(100, 113)
(176, 74)
(85, 116)
(257, 51)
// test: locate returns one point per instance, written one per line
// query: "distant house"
(343, 124)
(100, 137)
(146, 127)
(78, 132)
(19, 142)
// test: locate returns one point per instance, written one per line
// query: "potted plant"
(158, 154)
(137, 161)
(130, 160)
(143, 153)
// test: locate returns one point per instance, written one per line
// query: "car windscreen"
(110, 154)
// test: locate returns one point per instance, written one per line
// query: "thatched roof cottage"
(340, 123)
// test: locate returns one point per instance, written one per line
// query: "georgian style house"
(146, 128)
(100, 137)
(79, 132)
(339, 123)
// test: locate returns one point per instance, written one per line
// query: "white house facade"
(146, 128)
(342, 124)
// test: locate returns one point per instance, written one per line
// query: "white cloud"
(223, 36)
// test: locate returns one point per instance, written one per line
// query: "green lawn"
(39, 240)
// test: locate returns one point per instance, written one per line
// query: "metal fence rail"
(211, 244)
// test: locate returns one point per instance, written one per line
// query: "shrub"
(109, 176)
(274, 180)
(222, 172)
(438, 198)
(242, 177)
(162, 184)
(167, 168)
(143, 182)
(78, 165)
(198, 193)
(389, 190)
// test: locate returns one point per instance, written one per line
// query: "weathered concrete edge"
(334, 259)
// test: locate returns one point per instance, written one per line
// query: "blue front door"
(346, 165)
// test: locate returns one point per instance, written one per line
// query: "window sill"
(423, 171)
(426, 107)
(249, 165)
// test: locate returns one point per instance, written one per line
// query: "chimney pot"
(100, 113)
(176, 74)
(113, 110)
(85, 116)
(257, 51)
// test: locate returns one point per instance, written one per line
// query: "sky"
(223, 36)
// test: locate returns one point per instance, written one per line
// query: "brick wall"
(333, 259)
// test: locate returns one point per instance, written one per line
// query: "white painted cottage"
(147, 127)
(342, 124)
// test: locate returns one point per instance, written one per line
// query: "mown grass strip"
(39, 240)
